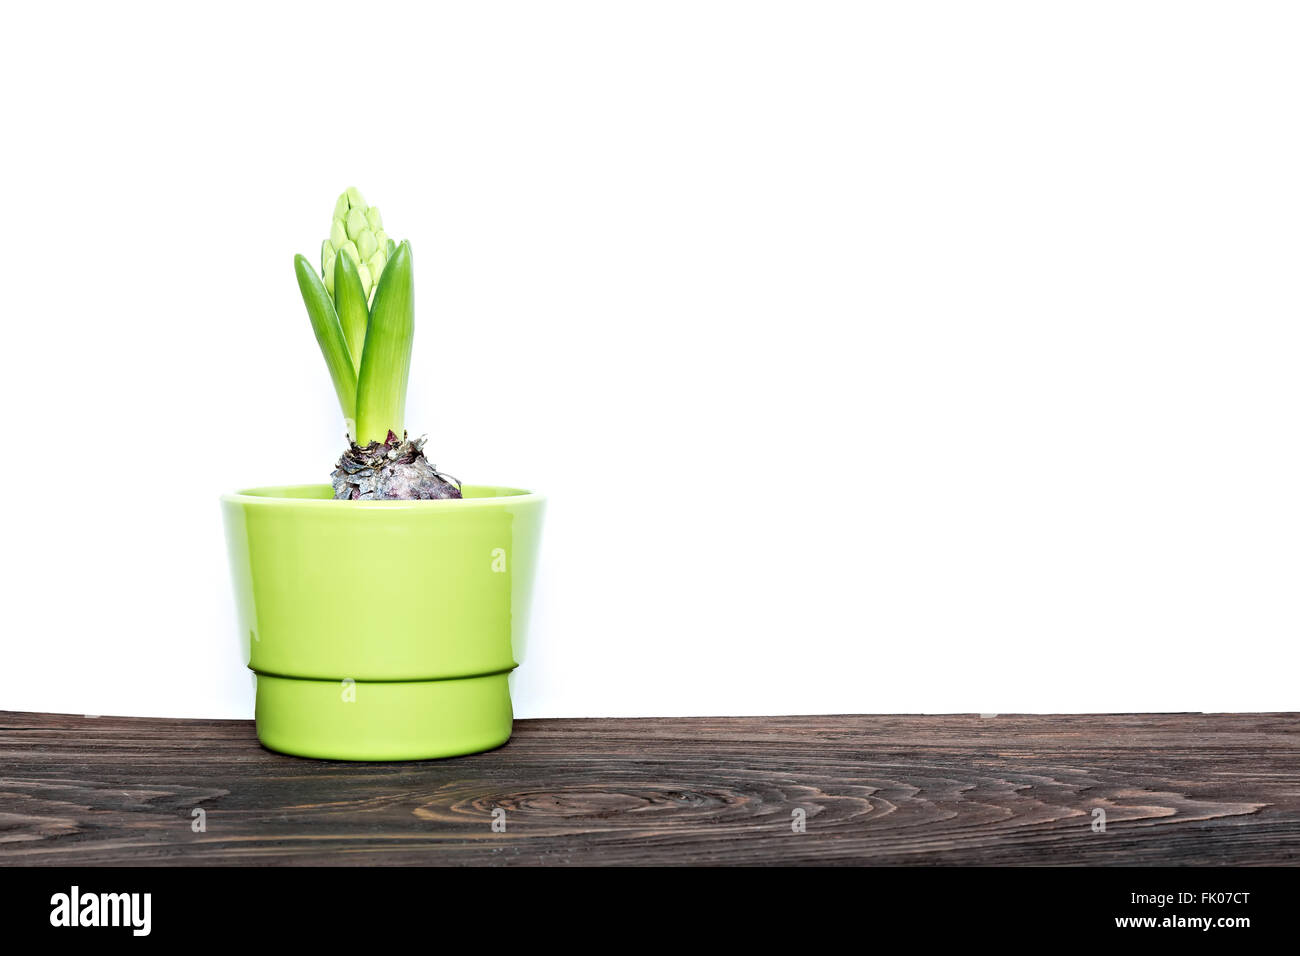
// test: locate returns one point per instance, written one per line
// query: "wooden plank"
(1176, 789)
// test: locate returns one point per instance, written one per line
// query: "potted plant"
(382, 613)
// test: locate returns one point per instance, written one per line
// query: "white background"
(899, 357)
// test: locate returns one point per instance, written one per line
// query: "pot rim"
(264, 496)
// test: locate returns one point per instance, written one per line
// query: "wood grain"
(964, 789)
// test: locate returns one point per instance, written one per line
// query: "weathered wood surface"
(1176, 789)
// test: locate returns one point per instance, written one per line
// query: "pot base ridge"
(383, 720)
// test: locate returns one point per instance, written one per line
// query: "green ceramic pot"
(382, 630)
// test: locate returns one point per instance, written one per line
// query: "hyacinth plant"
(362, 309)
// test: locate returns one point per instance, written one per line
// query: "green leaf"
(329, 334)
(386, 360)
(350, 303)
